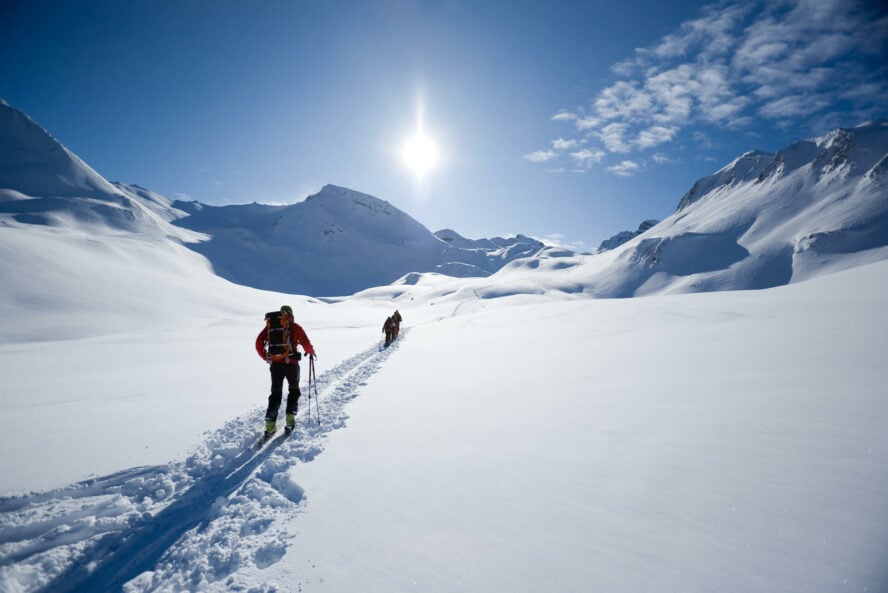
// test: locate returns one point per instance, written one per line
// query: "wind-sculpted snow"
(184, 526)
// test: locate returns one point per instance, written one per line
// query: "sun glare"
(420, 154)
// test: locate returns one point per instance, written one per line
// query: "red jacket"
(297, 338)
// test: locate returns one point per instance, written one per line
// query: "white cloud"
(587, 157)
(588, 123)
(625, 168)
(614, 137)
(559, 241)
(622, 100)
(655, 135)
(561, 144)
(541, 156)
(564, 116)
(793, 106)
(865, 89)
(712, 35)
(786, 61)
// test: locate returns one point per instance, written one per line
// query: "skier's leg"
(293, 394)
(278, 372)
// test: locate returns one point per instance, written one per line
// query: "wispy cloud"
(587, 157)
(614, 137)
(541, 156)
(561, 144)
(655, 135)
(624, 169)
(559, 241)
(738, 64)
(564, 116)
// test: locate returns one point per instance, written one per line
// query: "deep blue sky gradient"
(233, 102)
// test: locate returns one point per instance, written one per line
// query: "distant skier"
(388, 328)
(396, 320)
(277, 344)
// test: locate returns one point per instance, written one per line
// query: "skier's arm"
(302, 338)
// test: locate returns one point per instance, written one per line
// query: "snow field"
(727, 442)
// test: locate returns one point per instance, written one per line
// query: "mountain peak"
(746, 167)
(35, 164)
(843, 151)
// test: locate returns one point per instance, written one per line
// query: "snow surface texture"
(98, 534)
(520, 436)
(725, 441)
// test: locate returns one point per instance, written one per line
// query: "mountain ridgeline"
(817, 206)
(336, 242)
(763, 220)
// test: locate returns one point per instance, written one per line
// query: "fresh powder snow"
(520, 435)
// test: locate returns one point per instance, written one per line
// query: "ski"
(263, 438)
(275, 436)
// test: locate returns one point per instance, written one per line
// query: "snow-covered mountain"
(764, 220)
(43, 183)
(624, 236)
(336, 242)
(550, 434)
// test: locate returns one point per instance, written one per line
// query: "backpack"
(278, 325)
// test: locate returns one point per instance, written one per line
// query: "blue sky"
(563, 120)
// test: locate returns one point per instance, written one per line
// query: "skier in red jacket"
(287, 368)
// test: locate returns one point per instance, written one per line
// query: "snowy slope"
(43, 183)
(763, 220)
(623, 236)
(36, 164)
(81, 256)
(520, 437)
(559, 441)
(336, 242)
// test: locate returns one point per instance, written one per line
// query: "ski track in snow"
(184, 526)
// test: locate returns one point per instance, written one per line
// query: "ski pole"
(309, 393)
(313, 379)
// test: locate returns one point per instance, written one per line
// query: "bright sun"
(420, 154)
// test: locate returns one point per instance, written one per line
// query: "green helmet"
(286, 309)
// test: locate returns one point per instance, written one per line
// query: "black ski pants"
(279, 372)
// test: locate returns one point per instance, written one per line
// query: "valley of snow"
(519, 436)
(729, 441)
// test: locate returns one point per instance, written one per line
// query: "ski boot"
(270, 428)
(291, 423)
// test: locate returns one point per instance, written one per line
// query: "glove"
(312, 357)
